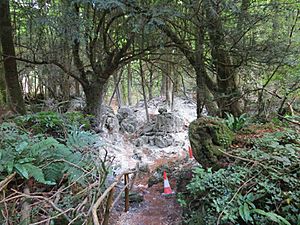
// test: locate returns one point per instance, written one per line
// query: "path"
(156, 209)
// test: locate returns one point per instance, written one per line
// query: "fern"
(46, 159)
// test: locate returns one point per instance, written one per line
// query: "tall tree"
(228, 89)
(2, 82)
(14, 92)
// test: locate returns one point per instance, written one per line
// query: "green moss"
(207, 137)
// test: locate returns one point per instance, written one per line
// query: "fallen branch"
(6, 181)
(289, 120)
(47, 200)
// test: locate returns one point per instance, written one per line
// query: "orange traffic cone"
(167, 188)
(190, 152)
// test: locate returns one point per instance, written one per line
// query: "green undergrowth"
(53, 123)
(260, 186)
(49, 152)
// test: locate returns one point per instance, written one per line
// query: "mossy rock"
(207, 137)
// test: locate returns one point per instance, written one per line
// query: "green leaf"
(21, 146)
(272, 216)
(10, 166)
(247, 213)
(22, 170)
(241, 212)
(37, 173)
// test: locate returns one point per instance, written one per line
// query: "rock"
(139, 142)
(163, 141)
(207, 135)
(110, 120)
(137, 156)
(168, 122)
(135, 197)
(127, 120)
(157, 176)
(155, 179)
(162, 110)
(148, 128)
(144, 167)
(124, 112)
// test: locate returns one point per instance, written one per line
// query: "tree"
(2, 82)
(14, 92)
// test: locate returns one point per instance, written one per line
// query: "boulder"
(208, 136)
(163, 141)
(127, 120)
(110, 120)
(168, 122)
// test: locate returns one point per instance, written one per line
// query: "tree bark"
(117, 81)
(144, 90)
(94, 95)
(129, 84)
(229, 92)
(14, 92)
(204, 95)
(2, 82)
(163, 84)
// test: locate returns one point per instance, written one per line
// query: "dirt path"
(156, 209)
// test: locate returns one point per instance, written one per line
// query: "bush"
(235, 123)
(261, 187)
(53, 123)
(64, 169)
(43, 158)
(78, 119)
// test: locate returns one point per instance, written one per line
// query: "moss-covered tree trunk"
(14, 92)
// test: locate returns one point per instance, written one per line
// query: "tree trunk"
(150, 84)
(117, 80)
(94, 94)
(204, 95)
(229, 93)
(129, 84)
(10, 66)
(2, 82)
(144, 90)
(163, 84)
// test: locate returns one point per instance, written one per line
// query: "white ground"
(120, 145)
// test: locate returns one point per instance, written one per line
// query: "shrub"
(63, 169)
(42, 122)
(53, 123)
(235, 123)
(43, 158)
(78, 119)
(262, 187)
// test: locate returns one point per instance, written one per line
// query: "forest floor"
(155, 209)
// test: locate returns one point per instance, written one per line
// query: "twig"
(289, 120)
(233, 197)
(6, 181)
(250, 160)
(73, 220)
(45, 199)
(53, 217)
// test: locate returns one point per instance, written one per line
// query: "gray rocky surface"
(110, 121)
(127, 120)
